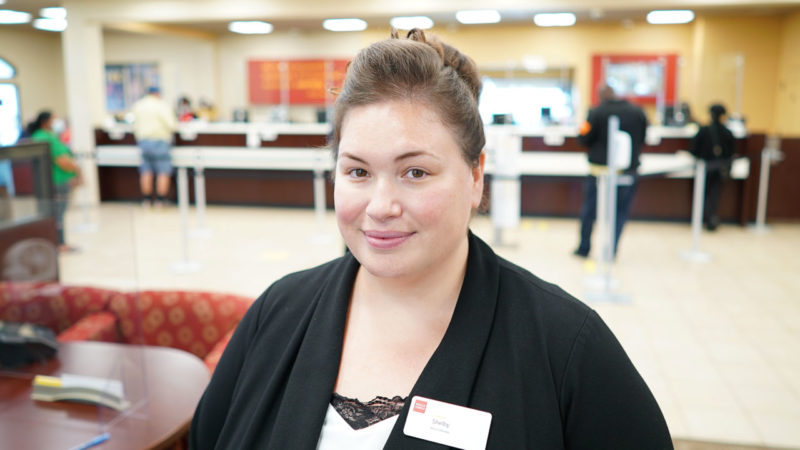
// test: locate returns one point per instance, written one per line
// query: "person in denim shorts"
(153, 127)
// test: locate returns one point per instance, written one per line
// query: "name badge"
(448, 424)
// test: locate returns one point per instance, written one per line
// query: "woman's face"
(403, 194)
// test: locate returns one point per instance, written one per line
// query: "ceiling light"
(9, 17)
(478, 16)
(409, 22)
(554, 19)
(669, 17)
(250, 27)
(50, 24)
(53, 13)
(344, 24)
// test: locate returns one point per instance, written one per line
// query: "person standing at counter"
(153, 126)
(66, 172)
(594, 135)
(409, 340)
(714, 143)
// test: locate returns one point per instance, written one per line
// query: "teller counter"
(275, 165)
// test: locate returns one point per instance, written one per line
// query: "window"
(530, 99)
(9, 105)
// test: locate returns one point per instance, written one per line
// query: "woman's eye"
(416, 173)
(358, 173)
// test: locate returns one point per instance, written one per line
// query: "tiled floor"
(718, 343)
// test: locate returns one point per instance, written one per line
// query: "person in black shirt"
(715, 144)
(594, 134)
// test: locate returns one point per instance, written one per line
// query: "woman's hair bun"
(463, 65)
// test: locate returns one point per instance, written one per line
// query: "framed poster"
(638, 78)
(294, 82)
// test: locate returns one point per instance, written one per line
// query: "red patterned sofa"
(198, 322)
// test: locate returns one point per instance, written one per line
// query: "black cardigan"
(543, 363)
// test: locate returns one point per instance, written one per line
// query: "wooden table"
(163, 385)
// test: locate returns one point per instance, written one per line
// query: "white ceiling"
(213, 15)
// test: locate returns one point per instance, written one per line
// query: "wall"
(36, 56)
(236, 50)
(187, 66)
(787, 108)
(216, 68)
(720, 41)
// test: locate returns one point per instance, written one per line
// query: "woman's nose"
(383, 203)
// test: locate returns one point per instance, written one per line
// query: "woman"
(714, 143)
(421, 311)
(66, 172)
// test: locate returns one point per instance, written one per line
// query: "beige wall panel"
(36, 55)
(787, 111)
(757, 40)
(187, 66)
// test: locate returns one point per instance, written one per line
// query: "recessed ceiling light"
(409, 22)
(250, 27)
(9, 17)
(670, 16)
(554, 19)
(50, 24)
(473, 16)
(344, 24)
(53, 13)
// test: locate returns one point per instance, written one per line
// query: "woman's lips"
(384, 240)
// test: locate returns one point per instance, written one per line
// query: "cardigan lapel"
(310, 383)
(450, 374)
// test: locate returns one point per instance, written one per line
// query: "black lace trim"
(361, 415)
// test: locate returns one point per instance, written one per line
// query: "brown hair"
(421, 69)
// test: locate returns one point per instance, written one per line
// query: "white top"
(154, 119)
(337, 434)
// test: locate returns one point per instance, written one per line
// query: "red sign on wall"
(643, 78)
(296, 82)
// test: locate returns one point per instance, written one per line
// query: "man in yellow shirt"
(153, 127)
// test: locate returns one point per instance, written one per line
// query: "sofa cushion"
(100, 326)
(50, 304)
(191, 321)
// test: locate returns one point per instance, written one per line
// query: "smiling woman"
(420, 311)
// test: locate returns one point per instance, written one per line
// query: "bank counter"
(275, 165)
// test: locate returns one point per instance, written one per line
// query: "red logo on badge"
(420, 405)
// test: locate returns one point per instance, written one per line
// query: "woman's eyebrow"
(351, 156)
(415, 153)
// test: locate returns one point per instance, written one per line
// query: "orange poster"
(307, 81)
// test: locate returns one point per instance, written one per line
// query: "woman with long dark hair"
(66, 172)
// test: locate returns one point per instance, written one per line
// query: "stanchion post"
(200, 196)
(768, 153)
(694, 254)
(184, 265)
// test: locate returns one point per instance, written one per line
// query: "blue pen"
(97, 440)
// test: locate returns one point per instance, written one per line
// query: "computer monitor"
(677, 115)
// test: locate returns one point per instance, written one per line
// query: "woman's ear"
(477, 181)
